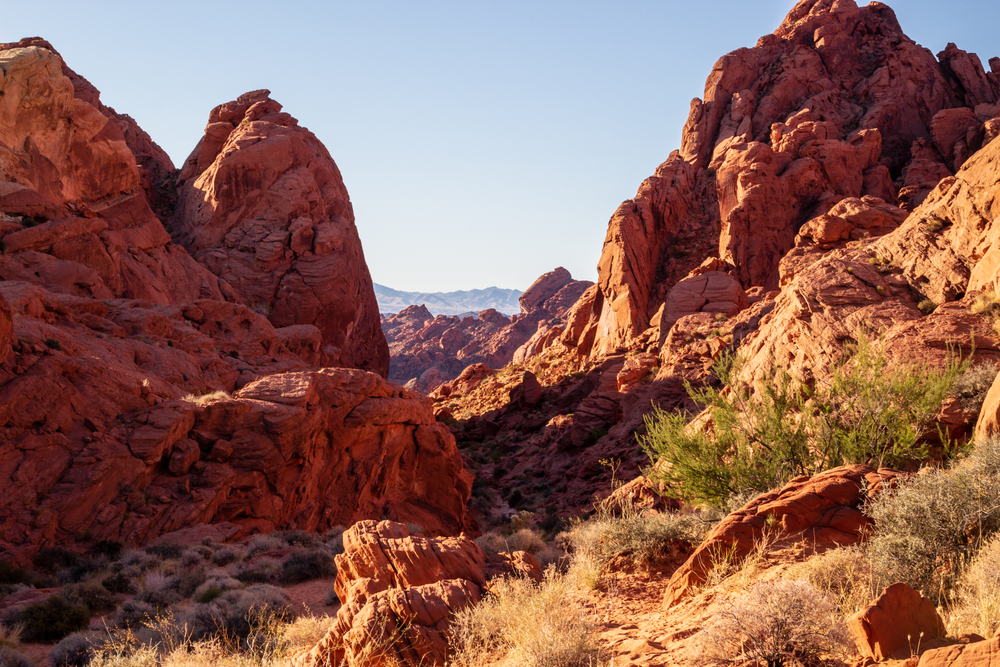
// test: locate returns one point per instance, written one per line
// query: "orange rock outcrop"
(263, 206)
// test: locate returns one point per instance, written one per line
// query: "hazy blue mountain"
(449, 303)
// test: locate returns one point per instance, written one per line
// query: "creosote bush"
(870, 411)
(781, 622)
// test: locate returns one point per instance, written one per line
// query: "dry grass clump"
(972, 386)
(525, 624)
(168, 642)
(930, 528)
(779, 622)
(524, 539)
(207, 399)
(978, 606)
(843, 573)
(987, 304)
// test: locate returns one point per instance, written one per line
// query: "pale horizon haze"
(482, 144)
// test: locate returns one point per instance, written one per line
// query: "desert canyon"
(206, 423)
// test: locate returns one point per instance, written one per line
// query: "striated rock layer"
(263, 206)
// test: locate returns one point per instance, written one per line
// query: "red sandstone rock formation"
(837, 104)
(428, 351)
(137, 396)
(399, 594)
(896, 624)
(975, 654)
(824, 510)
(263, 206)
(75, 217)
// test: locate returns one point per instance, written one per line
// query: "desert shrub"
(492, 543)
(843, 573)
(261, 571)
(871, 411)
(306, 565)
(9, 574)
(192, 558)
(931, 526)
(10, 657)
(525, 539)
(525, 624)
(331, 598)
(298, 538)
(109, 548)
(52, 620)
(159, 590)
(92, 595)
(166, 551)
(334, 540)
(262, 543)
(119, 583)
(235, 614)
(214, 587)
(646, 539)
(52, 559)
(781, 622)
(75, 650)
(971, 388)
(140, 560)
(132, 614)
(978, 605)
(225, 556)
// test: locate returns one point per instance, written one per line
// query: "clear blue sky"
(482, 143)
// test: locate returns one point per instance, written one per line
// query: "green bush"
(871, 411)
(927, 530)
(52, 620)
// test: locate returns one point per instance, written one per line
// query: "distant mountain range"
(450, 303)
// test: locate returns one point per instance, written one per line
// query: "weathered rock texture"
(896, 624)
(138, 396)
(428, 351)
(976, 654)
(835, 178)
(838, 103)
(263, 205)
(823, 510)
(399, 594)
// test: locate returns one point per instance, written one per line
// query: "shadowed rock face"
(107, 327)
(263, 206)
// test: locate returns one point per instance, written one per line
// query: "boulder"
(896, 624)
(399, 592)
(823, 511)
(974, 654)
